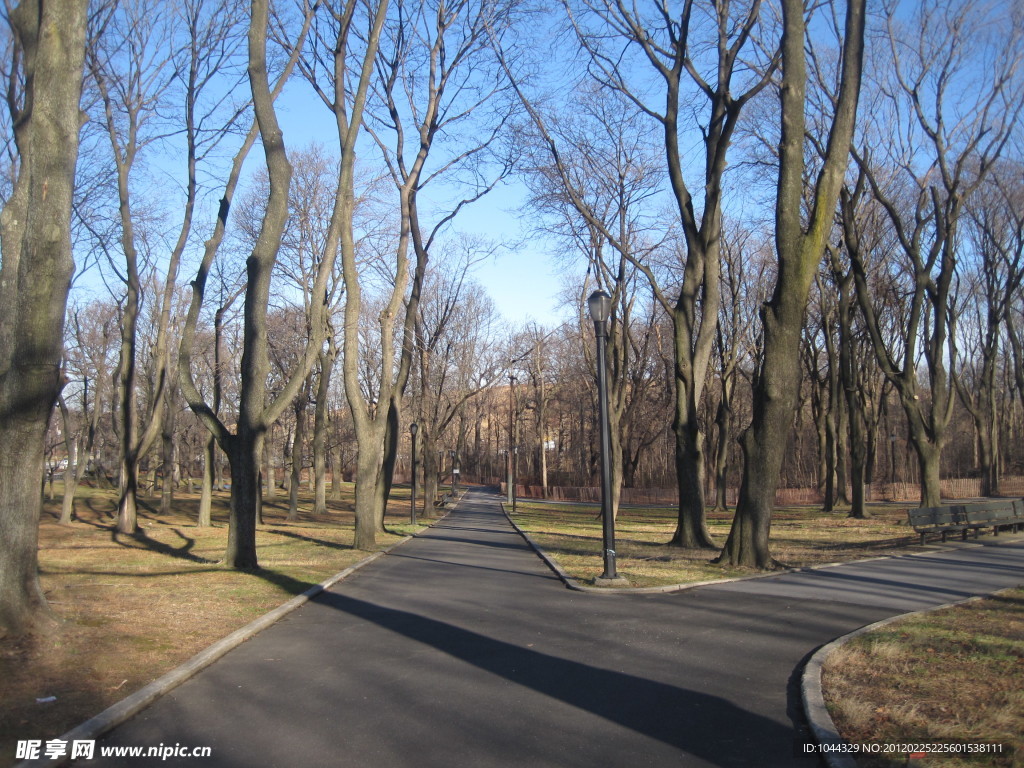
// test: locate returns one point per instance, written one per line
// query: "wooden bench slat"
(966, 517)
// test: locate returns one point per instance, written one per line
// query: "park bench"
(997, 514)
(963, 518)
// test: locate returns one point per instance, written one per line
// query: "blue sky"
(523, 280)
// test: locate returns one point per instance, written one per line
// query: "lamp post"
(413, 428)
(455, 473)
(600, 305)
(511, 442)
(892, 463)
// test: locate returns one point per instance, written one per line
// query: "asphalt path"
(461, 648)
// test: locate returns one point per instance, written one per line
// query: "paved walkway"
(461, 649)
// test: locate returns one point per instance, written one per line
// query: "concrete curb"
(818, 718)
(578, 586)
(128, 707)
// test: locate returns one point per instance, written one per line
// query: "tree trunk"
(321, 417)
(71, 468)
(799, 253)
(209, 476)
(368, 468)
(928, 461)
(723, 419)
(169, 455)
(296, 469)
(691, 527)
(840, 448)
(390, 460)
(35, 277)
(831, 461)
(337, 476)
(428, 459)
(764, 443)
(244, 459)
(858, 460)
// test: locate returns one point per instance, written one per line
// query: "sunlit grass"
(572, 535)
(946, 676)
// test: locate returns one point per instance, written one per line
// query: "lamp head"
(600, 305)
(413, 428)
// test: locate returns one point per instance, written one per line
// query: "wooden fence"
(952, 488)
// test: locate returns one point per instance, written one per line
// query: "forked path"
(461, 649)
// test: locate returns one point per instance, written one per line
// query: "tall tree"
(456, 357)
(303, 248)
(994, 277)
(44, 88)
(630, 48)
(612, 166)
(88, 359)
(256, 410)
(146, 61)
(800, 238)
(737, 317)
(435, 113)
(944, 104)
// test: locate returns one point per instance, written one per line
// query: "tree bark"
(295, 479)
(321, 418)
(35, 278)
(206, 494)
(799, 252)
(244, 459)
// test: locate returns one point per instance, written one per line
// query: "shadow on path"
(697, 723)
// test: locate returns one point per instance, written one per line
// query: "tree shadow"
(311, 539)
(184, 552)
(697, 723)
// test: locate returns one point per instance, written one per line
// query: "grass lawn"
(947, 676)
(801, 536)
(130, 608)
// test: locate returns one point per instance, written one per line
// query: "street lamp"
(600, 305)
(455, 473)
(511, 442)
(413, 428)
(892, 463)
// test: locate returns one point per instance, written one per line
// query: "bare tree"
(626, 48)
(87, 362)
(614, 170)
(43, 94)
(435, 113)
(256, 411)
(995, 231)
(457, 357)
(303, 248)
(142, 56)
(942, 110)
(800, 238)
(736, 321)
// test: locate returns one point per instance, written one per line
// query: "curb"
(576, 585)
(820, 721)
(118, 713)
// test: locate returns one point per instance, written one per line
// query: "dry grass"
(801, 536)
(130, 608)
(948, 676)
